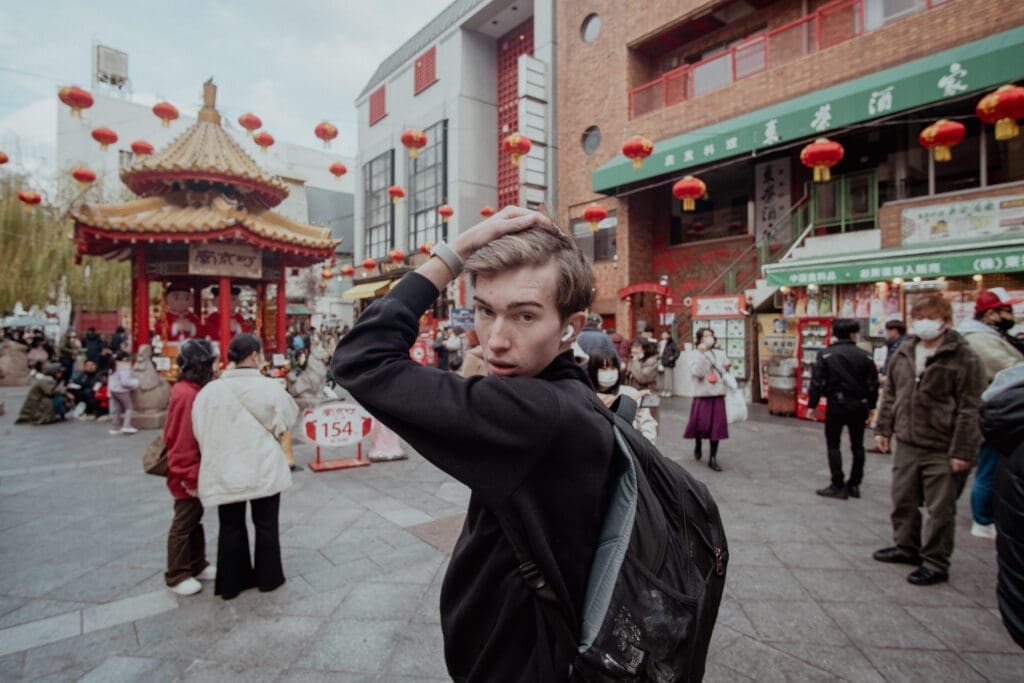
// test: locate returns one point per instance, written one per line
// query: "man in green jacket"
(931, 404)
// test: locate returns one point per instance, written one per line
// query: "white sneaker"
(128, 430)
(208, 574)
(983, 530)
(187, 587)
(104, 418)
(79, 410)
(114, 432)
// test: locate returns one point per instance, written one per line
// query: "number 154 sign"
(336, 424)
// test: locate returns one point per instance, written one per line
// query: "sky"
(293, 63)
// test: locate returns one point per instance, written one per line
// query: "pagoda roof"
(204, 153)
(195, 216)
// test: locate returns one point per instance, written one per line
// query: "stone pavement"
(83, 550)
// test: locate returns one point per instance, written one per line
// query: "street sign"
(336, 424)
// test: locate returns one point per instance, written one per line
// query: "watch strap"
(449, 257)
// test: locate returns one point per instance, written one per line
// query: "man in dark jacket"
(846, 376)
(931, 404)
(1002, 423)
(592, 337)
(93, 344)
(524, 439)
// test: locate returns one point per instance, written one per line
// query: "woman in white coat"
(238, 421)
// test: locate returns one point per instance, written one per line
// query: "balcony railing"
(829, 25)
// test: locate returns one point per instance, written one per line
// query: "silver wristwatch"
(449, 257)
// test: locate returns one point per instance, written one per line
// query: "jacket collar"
(241, 372)
(951, 341)
(564, 367)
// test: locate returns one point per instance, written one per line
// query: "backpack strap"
(625, 407)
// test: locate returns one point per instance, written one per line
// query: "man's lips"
(499, 367)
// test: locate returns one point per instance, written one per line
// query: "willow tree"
(37, 254)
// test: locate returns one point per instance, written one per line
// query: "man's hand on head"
(510, 220)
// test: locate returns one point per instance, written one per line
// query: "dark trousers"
(854, 420)
(235, 573)
(186, 542)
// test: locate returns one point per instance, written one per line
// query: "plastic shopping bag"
(735, 406)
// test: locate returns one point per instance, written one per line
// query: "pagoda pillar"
(224, 307)
(142, 301)
(282, 306)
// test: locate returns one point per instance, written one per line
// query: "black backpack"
(658, 573)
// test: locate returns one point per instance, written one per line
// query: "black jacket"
(670, 354)
(846, 375)
(528, 448)
(1002, 424)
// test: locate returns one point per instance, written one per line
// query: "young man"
(931, 404)
(986, 335)
(525, 439)
(846, 375)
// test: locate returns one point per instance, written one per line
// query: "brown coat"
(941, 411)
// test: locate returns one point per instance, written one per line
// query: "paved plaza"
(83, 551)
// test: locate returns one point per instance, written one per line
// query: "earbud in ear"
(569, 331)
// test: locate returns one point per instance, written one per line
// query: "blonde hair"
(932, 306)
(538, 247)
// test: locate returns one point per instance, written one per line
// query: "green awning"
(944, 75)
(297, 309)
(875, 266)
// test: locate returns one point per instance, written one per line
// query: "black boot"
(713, 463)
(697, 455)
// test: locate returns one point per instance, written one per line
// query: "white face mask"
(607, 378)
(927, 329)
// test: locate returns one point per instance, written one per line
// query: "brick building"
(730, 92)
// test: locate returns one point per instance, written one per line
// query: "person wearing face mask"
(603, 371)
(707, 412)
(931, 404)
(987, 336)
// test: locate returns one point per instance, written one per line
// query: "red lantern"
(942, 135)
(594, 214)
(250, 122)
(76, 98)
(104, 136)
(426, 247)
(446, 212)
(821, 155)
(263, 139)
(327, 273)
(516, 145)
(637, 148)
(487, 211)
(347, 271)
(4, 158)
(166, 112)
(397, 193)
(1003, 107)
(369, 264)
(414, 140)
(326, 132)
(29, 198)
(689, 190)
(397, 256)
(338, 169)
(142, 148)
(322, 285)
(84, 176)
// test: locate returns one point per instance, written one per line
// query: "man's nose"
(499, 339)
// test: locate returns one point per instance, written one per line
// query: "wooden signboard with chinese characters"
(225, 260)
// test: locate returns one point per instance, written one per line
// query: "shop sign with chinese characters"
(719, 306)
(986, 217)
(225, 260)
(1007, 259)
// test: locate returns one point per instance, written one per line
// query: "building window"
(379, 214)
(377, 108)
(590, 28)
(877, 13)
(125, 158)
(600, 245)
(428, 188)
(425, 71)
(591, 140)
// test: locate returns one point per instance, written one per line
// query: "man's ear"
(576, 320)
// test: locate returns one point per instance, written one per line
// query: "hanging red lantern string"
(822, 155)
(369, 264)
(76, 98)
(84, 176)
(397, 193)
(338, 169)
(263, 139)
(414, 140)
(142, 148)
(327, 273)
(689, 189)
(104, 136)
(29, 198)
(942, 135)
(516, 145)
(446, 212)
(1002, 108)
(397, 256)
(426, 247)
(166, 112)
(594, 214)
(347, 271)
(487, 211)
(326, 131)
(250, 122)
(637, 148)
(322, 285)
(4, 158)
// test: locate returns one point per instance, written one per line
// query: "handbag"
(154, 458)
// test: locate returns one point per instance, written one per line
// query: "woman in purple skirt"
(707, 412)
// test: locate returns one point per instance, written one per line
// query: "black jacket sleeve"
(871, 381)
(819, 383)
(487, 432)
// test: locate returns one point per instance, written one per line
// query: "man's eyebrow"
(514, 304)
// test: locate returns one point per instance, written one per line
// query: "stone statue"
(13, 364)
(154, 393)
(307, 385)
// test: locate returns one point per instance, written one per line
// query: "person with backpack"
(540, 454)
(846, 375)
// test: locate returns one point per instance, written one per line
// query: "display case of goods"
(726, 317)
(813, 335)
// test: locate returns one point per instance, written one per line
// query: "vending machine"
(813, 335)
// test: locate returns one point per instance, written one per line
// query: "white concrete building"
(478, 71)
